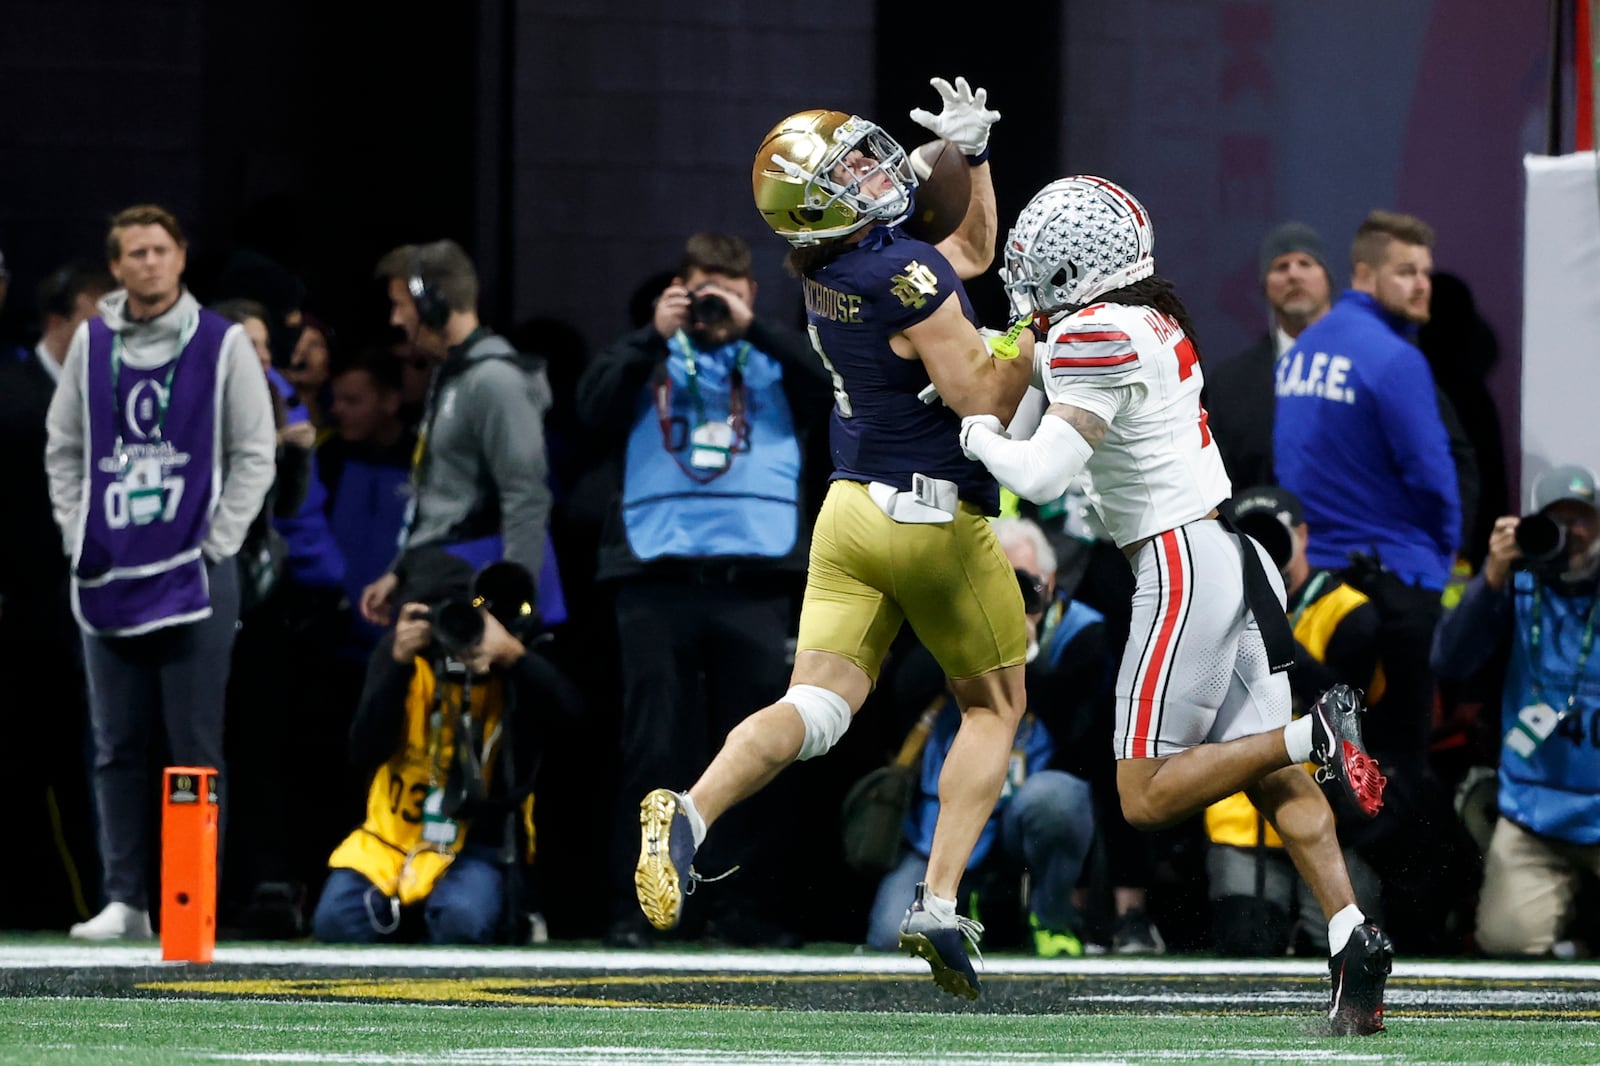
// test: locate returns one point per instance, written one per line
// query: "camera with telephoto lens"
(1543, 543)
(708, 309)
(504, 589)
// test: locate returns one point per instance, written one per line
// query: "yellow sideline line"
(537, 991)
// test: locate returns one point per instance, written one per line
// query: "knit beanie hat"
(1293, 237)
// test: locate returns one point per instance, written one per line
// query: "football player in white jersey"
(1202, 705)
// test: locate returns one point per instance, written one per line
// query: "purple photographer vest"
(153, 474)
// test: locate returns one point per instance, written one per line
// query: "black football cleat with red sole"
(1359, 973)
(1337, 749)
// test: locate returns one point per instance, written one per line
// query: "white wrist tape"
(1039, 468)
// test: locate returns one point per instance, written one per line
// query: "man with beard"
(1297, 284)
(478, 478)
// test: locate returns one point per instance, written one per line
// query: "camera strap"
(738, 427)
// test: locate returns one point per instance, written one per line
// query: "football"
(943, 191)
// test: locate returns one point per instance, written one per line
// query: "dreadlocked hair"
(1157, 292)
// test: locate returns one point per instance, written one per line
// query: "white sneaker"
(117, 922)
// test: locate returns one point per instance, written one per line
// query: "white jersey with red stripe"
(1157, 467)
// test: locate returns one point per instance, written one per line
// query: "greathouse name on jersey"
(832, 304)
(1325, 377)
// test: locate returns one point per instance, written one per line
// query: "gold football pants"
(950, 580)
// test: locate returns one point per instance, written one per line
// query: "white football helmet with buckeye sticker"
(1078, 238)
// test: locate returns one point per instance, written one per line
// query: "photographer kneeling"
(1537, 602)
(448, 725)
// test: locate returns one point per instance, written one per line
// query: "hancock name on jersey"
(1321, 375)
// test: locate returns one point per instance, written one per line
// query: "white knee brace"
(826, 716)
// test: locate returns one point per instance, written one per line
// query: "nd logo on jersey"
(913, 287)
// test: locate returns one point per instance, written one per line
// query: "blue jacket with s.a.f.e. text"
(1358, 437)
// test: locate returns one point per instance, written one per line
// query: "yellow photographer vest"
(389, 849)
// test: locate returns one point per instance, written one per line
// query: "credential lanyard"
(1312, 591)
(1536, 638)
(691, 371)
(163, 395)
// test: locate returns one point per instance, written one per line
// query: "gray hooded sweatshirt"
(484, 470)
(248, 440)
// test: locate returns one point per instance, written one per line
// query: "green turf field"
(66, 1004)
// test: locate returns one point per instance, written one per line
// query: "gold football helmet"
(824, 174)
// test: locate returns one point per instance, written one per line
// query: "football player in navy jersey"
(902, 535)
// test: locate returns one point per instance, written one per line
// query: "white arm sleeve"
(1039, 468)
(1029, 411)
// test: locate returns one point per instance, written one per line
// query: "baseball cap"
(1269, 513)
(1563, 483)
(431, 575)
(1293, 237)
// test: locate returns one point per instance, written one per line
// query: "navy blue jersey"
(880, 431)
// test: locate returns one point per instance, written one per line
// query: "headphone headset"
(433, 310)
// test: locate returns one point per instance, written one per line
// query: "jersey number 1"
(1188, 359)
(841, 398)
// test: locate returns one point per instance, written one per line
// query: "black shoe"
(1359, 973)
(630, 935)
(737, 927)
(274, 912)
(1337, 749)
(1137, 935)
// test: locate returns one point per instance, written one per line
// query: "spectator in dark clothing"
(1461, 349)
(416, 371)
(39, 642)
(8, 350)
(309, 367)
(365, 469)
(274, 705)
(706, 543)
(1239, 392)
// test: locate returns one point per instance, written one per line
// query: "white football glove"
(978, 425)
(965, 119)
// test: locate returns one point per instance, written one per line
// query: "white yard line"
(416, 957)
(629, 1056)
